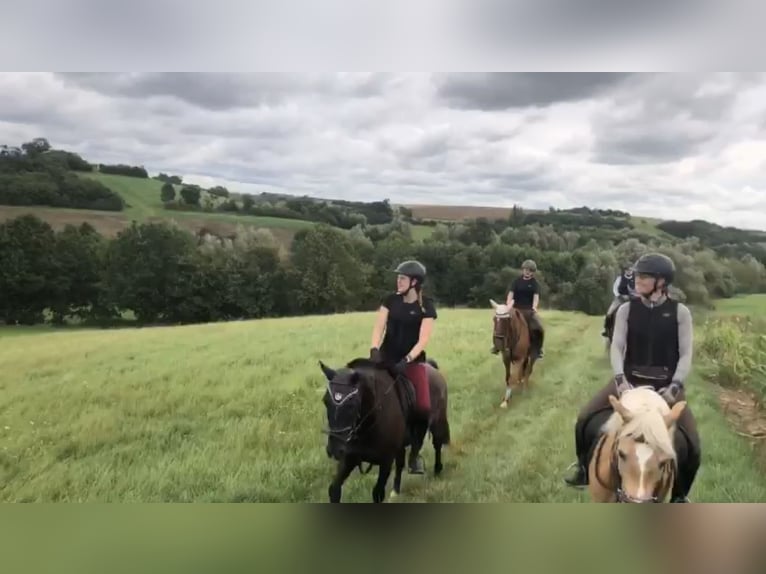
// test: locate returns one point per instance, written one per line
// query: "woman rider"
(524, 295)
(651, 345)
(407, 318)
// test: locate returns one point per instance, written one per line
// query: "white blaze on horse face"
(643, 453)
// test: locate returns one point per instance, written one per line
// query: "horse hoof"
(504, 405)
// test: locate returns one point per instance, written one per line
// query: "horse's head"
(502, 325)
(344, 403)
(643, 457)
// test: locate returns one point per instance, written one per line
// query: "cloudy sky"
(666, 145)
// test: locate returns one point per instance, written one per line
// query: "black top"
(626, 285)
(652, 337)
(524, 292)
(403, 326)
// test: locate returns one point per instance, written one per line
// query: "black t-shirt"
(524, 292)
(403, 326)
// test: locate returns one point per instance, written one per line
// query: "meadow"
(232, 412)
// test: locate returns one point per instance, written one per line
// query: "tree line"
(36, 174)
(161, 274)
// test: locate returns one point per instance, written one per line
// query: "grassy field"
(232, 412)
(750, 305)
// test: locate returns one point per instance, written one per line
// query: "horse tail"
(433, 363)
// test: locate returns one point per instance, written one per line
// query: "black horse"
(370, 418)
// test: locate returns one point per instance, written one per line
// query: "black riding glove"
(671, 392)
(400, 368)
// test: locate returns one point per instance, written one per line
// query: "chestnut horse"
(511, 337)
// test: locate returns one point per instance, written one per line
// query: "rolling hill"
(142, 197)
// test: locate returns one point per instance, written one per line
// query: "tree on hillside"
(36, 146)
(191, 194)
(218, 191)
(168, 192)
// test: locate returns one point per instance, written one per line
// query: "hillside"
(233, 412)
(143, 204)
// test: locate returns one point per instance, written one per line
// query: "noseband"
(667, 472)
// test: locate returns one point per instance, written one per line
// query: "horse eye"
(623, 456)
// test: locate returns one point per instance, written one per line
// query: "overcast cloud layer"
(677, 146)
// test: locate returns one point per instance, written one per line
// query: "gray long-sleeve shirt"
(685, 338)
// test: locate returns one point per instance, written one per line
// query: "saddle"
(406, 391)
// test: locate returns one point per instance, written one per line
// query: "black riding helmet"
(413, 270)
(658, 265)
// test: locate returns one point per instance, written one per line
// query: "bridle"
(349, 433)
(667, 475)
(514, 338)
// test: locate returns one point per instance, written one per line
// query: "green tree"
(147, 267)
(28, 270)
(168, 192)
(330, 276)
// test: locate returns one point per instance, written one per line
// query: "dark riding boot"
(579, 478)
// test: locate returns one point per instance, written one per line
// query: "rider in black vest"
(652, 345)
(624, 289)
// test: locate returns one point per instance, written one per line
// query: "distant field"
(461, 212)
(457, 213)
(751, 305)
(233, 412)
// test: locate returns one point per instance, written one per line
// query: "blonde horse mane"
(647, 420)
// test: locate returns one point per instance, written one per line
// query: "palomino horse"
(635, 460)
(512, 338)
(369, 419)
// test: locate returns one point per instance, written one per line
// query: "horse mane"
(647, 424)
(363, 363)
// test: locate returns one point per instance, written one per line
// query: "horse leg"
(438, 466)
(345, 468)
(379, 490)
(529, 365)
(514, 375)
(398, 474)
(508, 381)
(419, 428)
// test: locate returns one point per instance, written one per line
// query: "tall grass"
(736, 347)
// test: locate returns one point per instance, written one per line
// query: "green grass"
(233, 412)
(422, 232)
(143, 198)
(750, 305)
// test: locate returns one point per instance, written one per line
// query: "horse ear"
(675, 413)
(328, 372)
(494, 304)
(620, 408)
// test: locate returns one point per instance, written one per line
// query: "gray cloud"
(221, 91)
(502, 90)
(666, 117)
(661, 145)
